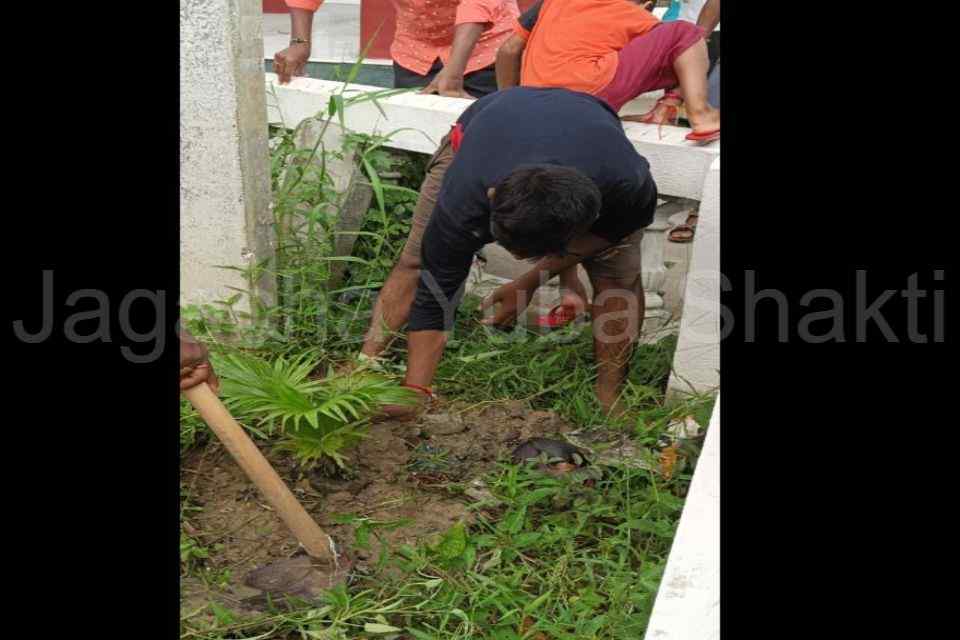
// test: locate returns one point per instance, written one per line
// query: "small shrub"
(317, 418)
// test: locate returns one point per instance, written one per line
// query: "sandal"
(673, 110)
(704, 136)
(672, 113)
(688, 227)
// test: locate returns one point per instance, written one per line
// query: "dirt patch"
(418, 473)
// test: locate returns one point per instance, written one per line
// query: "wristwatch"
(299, 41)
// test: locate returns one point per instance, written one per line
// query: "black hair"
(538, 209)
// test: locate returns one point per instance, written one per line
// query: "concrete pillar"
(351, 195)
(225, 217)
(688, 601)
(696, 365)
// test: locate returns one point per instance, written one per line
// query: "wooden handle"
(317, 543)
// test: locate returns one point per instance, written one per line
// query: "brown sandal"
(688, 228)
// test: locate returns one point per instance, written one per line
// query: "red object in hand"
(559, 316)
(456, 137)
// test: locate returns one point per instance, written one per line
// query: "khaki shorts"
(429, 191)
(619, 262)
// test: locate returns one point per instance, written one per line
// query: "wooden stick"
(317, 543)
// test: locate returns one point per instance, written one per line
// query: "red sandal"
(672, 115)
(673, 110)
(704, 136)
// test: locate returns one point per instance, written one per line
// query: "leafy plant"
(318, 418)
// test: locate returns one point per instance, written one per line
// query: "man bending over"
(551, 176)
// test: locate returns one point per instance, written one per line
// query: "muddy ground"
(422, 472)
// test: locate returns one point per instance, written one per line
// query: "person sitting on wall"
(448, 47)
(551, 176)
(615, 50)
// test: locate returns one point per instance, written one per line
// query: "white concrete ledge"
(688, 601)
(696, 364)
(418, 122)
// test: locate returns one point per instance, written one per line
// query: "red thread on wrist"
(417, 387)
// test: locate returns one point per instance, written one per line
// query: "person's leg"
(646, 62)
(691, 68)
(671, 54)
(481, 82)
(392, 307)
(618, 311)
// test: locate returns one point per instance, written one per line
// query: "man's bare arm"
(512, 298)
(709, 16)
(509, 57)
(449, 82)
(290, 61)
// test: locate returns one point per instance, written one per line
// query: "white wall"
(224, 160)
(688, 601)
(696, 365)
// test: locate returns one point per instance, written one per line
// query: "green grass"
(553, 558)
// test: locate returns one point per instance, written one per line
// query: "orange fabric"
(425, 29)
(309, 5)
(575, 43)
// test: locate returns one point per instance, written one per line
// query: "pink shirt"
(425, 29)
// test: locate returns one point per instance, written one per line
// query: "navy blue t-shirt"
(507, 129)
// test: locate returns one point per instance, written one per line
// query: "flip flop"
(559, 316)
(704, 136)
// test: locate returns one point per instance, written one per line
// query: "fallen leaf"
(668, 459)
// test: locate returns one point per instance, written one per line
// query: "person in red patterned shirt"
(448, 47)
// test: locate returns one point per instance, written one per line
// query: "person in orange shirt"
(614, 50)
(448, 47)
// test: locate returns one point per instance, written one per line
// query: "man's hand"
(447, 84)
(291, 61)
(195, 366)
(512, 298)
